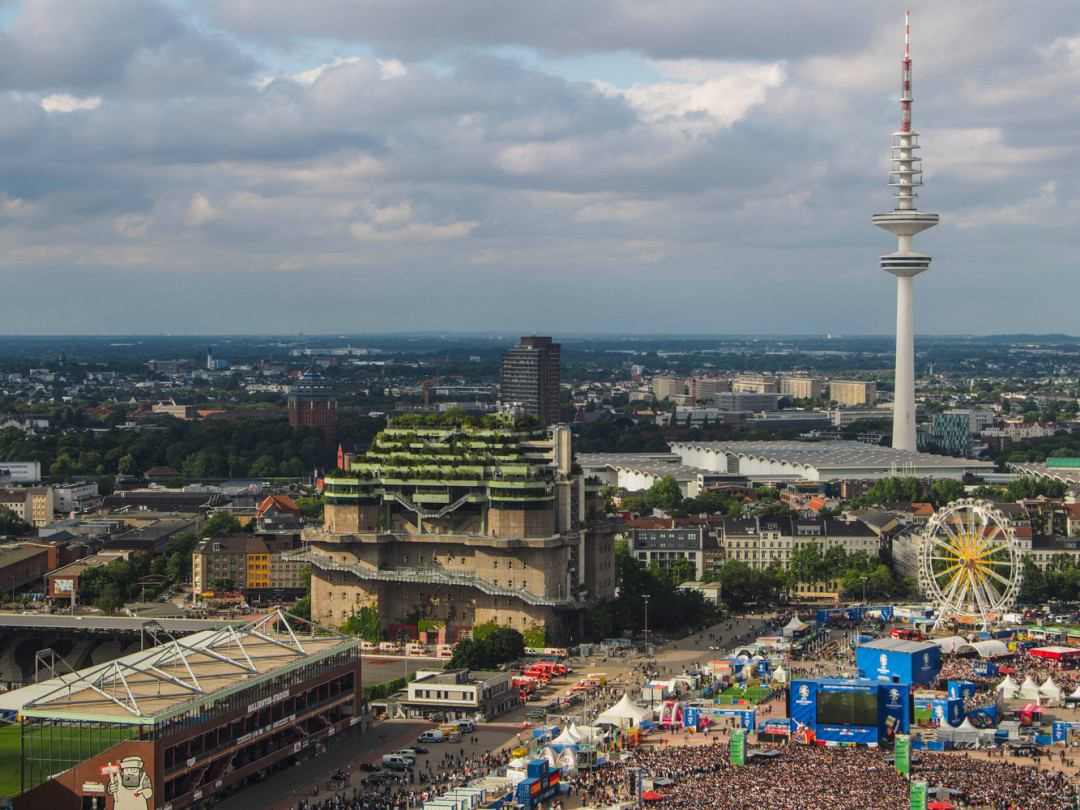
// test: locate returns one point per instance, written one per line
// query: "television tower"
(905, 221)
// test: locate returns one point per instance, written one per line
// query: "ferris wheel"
(969, 562)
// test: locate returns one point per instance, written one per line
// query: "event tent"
(1008, 688)
(795, 627)
(566, 738)
(1051, 690)
(779, 675)
(1056, 653)
(625, 712)
(1029, 689)
(991, 648)
(950, 644)
(1074, 697)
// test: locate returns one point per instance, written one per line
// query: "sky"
(632, 166)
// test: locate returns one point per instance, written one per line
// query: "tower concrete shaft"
(905, 263)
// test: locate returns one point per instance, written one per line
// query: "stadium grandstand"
(35, 647)
(184, 723)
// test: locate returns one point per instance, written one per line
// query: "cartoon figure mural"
(130, 785)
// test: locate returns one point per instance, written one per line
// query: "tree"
(221, 522)
(364, 623)
(110, 599)
(806, 564)
(681, 571)
(1033, 588)
(664, 493)
(12, 524)
(946, 490)
(221, 584)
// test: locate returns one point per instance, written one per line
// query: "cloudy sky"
(332, 166)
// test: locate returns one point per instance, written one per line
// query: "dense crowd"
(812, 777)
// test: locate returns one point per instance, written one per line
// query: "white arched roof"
(991, 648)
(950, 644)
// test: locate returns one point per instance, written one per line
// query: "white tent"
(577, 733)
(794, 626)
(1074, 696)
(1008, 688)
(566, 738)
(623, 712)
(950, 644)
(1051, 690)
(965, 732)
(1029, 690)
(779, 675)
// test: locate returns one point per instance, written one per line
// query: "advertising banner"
(903, 753)
(738, 747)
(918, 796)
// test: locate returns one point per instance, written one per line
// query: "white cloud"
(711, 96)
(981, 153)
(414, 231)
(62, 102)
(200, 211)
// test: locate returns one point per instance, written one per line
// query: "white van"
(432, 735)
(396, 762)
(465, 726)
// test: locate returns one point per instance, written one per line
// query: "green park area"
(751, 693)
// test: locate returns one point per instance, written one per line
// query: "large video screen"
(847, 709)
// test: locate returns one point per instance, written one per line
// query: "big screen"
(847, 709)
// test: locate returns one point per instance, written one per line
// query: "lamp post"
(645, 596)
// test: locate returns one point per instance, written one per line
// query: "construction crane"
(427, 390)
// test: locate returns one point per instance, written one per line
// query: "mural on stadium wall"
(129, 785)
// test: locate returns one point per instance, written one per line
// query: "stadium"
(184, 723)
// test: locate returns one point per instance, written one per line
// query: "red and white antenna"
(905, 72)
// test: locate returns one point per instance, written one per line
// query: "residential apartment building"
(802, 387)
(758, 541)
(462, 526)
(665, 541)
(708, 387)
(668, 388)
(256, 571)
(531, 378)
(35, 505)
(853, 392)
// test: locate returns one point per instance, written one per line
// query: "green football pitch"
(55, 748)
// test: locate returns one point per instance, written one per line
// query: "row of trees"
(490, 647)
(1060, 582)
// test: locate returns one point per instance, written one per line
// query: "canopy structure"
(566, 738)
(991, 648)
(1029, 689)
(1075, 696)
(625, 712)
(1051, 690)
(1057, 653)
(1008, 688)
(795, 627)
(950, 644)
(779, 675)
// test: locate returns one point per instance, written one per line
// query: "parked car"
(418, 748)
(437, 718)
(377, 778)
(370, 767)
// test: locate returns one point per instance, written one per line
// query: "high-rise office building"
(312, 403)
(531, 378)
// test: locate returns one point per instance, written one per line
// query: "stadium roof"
(150, 686)
(37, 621)
(826, 458)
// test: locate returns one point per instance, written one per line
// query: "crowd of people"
(809, 777)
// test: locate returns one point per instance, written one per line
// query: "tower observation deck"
(905, 263)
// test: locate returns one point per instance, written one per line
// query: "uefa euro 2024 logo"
(884, 661)
(926, 660)
(894, 695)
(804, 691)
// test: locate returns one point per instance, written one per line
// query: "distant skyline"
(617, 167)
